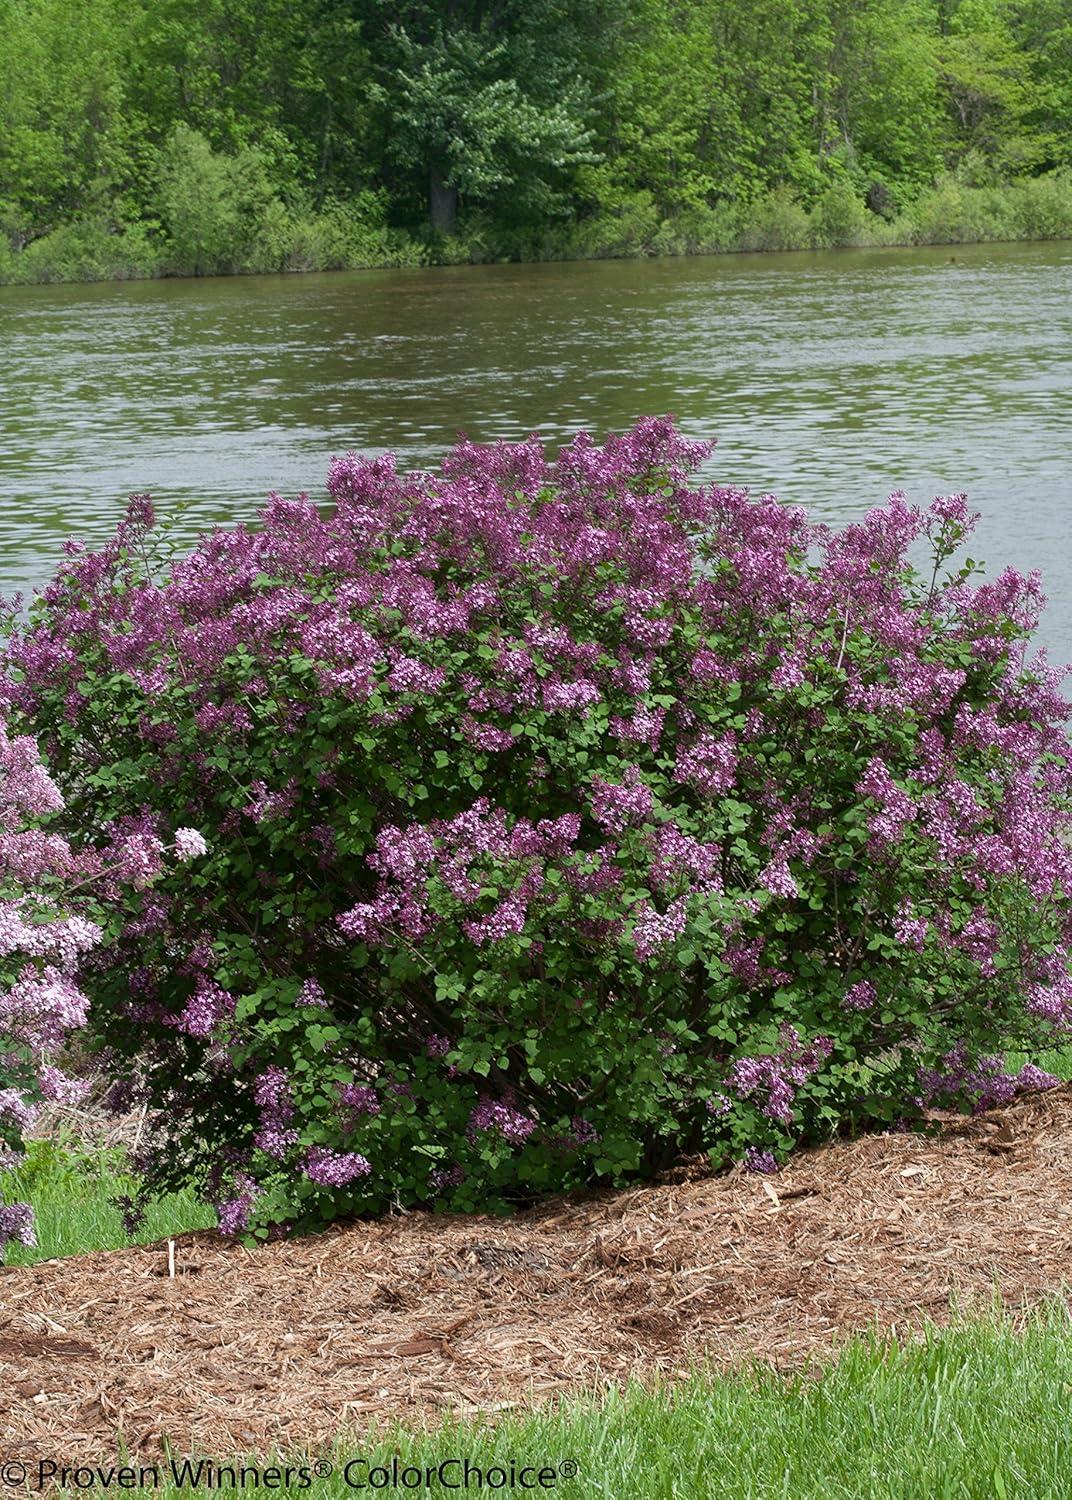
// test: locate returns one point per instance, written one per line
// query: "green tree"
(987, 80)
(879, 103)
(63, 137)
(289, 76)
(484, 101)
(1043, 28)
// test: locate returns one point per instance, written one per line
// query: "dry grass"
(419, 1315)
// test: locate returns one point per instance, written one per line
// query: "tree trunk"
(442, 203)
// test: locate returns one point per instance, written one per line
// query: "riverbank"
(950, 213)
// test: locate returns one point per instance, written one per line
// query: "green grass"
(973, 1411)
(71, 1192)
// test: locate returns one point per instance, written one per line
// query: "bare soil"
(282, 1347)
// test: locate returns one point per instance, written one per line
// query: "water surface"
(829, 379)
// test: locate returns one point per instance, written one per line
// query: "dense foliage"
(143, 137)
(565, 818)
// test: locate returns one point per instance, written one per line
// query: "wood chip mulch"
(280, 1348)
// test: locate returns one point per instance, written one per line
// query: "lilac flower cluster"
(709, 763)
(333, 1168)
(617, 806)
(983, 1080)
(778, 1075)
(502, 1118)
(17, 1223)
(860, 996)
(206, 1009)
(233, 1214)
(441, 1179)
(271, 1094)
(359, 1099)
(311, 993)
(189, 844)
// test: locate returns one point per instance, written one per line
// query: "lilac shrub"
(565, 817)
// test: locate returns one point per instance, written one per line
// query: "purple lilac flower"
(311, 994)
(1031, 1078)
(138, 858)
(624, 805)
(275, 1139)
(206, 1008)
(271, 1093)
(653, 930)
(493, 1114)
(986, 1083)
(860, 996)
(780, 1074)
(233, 1214)
(583, 1132)
(16, 1110)
(709, 764)
(17, 1223)
(442, 1178)
(359, 1099)
(57, 1088)
(334, 1168)
(909, 930)
(777, 878)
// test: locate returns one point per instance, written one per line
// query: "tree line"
(204, 124)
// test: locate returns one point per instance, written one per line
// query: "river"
(829, 379)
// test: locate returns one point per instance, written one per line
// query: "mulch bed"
(414, 1316)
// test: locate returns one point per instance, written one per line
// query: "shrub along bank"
(275, 238)
(563, 819)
